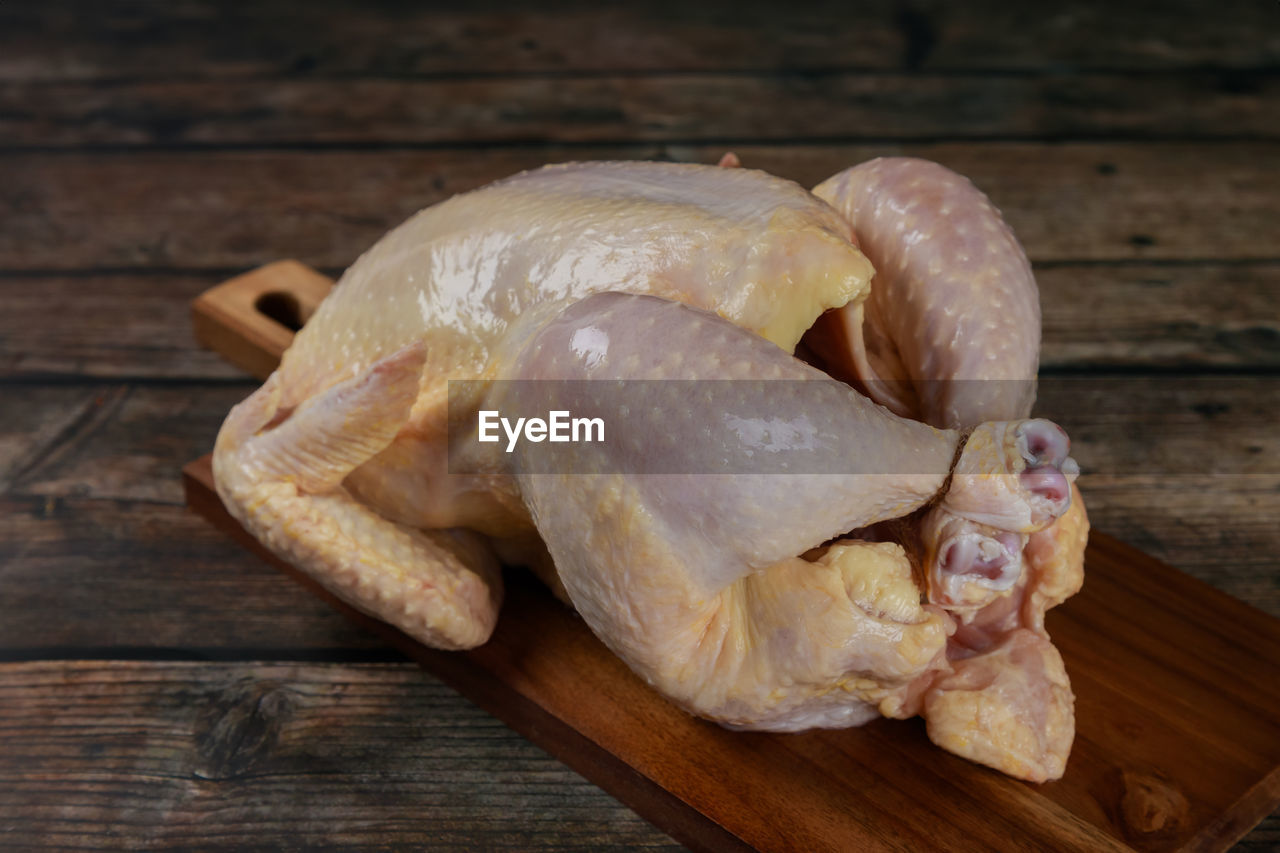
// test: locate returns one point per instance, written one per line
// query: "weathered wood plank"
(136, 325)
(35, 421)
(1158, 425)
(1220, 529)
(130, 326)
(736, 107)
(131, 451)
(1167, 316)
(146, 755)
(79, 39)
(1265, 837)
(1183, 468)
(334, 753)
(91, 577)
(1082, 201)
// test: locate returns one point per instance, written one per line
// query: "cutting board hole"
(282, 307)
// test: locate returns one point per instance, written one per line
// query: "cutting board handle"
(251, 319)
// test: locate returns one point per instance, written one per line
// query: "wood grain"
(119, 442)
(230, 751)
(1175, 685)
(230, 210)
(103, 578)
(127, 326)
(1167, 316)
(35, 422)
(686, 107)
(148, 755)
(75, 39)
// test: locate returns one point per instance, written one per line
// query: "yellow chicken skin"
(681, 547)
(1008, 702)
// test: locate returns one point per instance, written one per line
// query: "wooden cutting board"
(1177, 700)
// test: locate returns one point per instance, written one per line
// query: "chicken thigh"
(951, 331)
(739, 591)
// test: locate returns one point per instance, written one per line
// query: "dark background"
(160, 687)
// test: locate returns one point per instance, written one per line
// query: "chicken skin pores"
(760, 601)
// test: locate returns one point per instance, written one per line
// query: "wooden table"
(159, 687)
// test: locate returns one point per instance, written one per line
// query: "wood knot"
(1147, 807)
(240, 728)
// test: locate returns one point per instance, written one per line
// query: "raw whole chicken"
(903, 569)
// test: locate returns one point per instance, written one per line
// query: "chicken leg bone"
(1011, 480)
